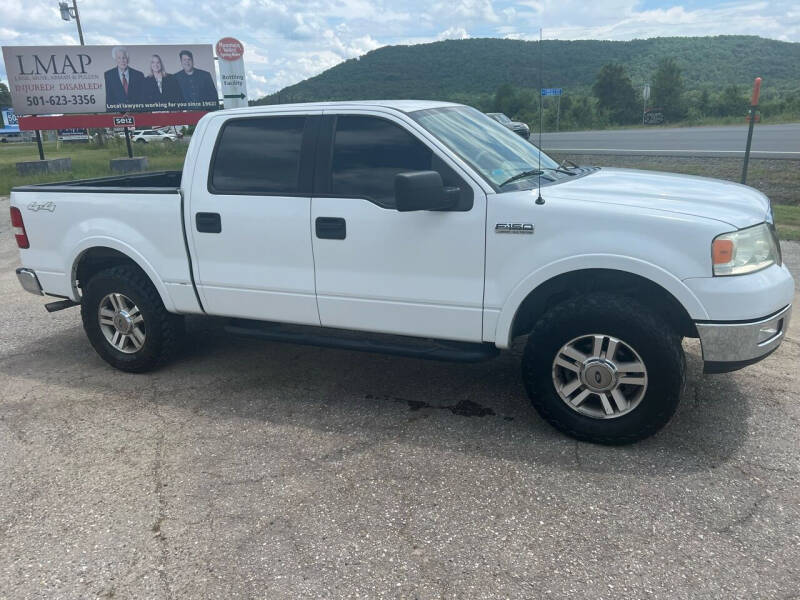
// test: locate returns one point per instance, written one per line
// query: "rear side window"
(258, 156)
(368, 152)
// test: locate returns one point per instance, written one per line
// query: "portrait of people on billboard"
(124, 84)
(196, 84)
(160, 87)
(47, 80)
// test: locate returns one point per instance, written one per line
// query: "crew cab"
(422, 229)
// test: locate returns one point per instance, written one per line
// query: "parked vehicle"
(12, 136)
(521, 129)
(429, 229)
(152, 135)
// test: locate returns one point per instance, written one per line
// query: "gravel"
(249, 469)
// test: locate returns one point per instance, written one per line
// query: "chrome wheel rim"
(122, 323)
(599, 376)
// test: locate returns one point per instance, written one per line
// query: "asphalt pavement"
(769, 141)
(257, 470)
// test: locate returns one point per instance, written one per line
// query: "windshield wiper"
(560, 168)
(522, 175)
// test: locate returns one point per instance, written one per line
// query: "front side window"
(368, 152)
(258, 156)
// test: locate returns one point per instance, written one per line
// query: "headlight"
(744, 251)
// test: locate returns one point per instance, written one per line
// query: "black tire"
(601, 313)
(163, 329)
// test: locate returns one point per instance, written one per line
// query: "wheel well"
(584, 281)
(98, 259)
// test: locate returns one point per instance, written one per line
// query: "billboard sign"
(73, 135)
(231, 72)
(10, 123)
(47, 80)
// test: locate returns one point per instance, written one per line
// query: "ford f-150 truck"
(422, 229)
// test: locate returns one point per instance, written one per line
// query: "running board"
(364, 342)
(52, 307)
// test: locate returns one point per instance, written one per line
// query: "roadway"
(769, 141)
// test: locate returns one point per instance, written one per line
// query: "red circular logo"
(230, 49)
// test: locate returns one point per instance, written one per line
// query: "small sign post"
(126, 121)
(231, 72)
(645, 98)
(554, 92)
(753, 109)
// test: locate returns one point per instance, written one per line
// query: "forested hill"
(459, 69)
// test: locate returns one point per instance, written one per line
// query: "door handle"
(208, 222)
(331, 228)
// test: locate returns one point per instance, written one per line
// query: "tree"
(5, 95)
(615, 94)
(705, 102)
(731, 102)
(507, 100)
(668, 90)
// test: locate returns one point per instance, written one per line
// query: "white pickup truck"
(422, 229)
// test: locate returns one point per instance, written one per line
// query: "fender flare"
(107, 242)
(635, 266)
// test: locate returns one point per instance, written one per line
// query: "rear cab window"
(258, 156)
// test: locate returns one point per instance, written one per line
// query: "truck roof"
(406, 106)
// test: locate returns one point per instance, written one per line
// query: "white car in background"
(152, 135)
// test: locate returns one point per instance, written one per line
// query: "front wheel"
(126, 322)
(604, 368)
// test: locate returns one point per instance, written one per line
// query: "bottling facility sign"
(47, 80)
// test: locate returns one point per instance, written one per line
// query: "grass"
(88, 160)
(787, 219)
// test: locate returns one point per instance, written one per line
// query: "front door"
(413, 273)
(249, 218)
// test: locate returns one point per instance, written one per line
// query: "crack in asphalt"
(157, 474)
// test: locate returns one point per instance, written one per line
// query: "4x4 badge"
(37, 206)
(513, 228)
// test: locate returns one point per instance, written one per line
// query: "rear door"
(250, 218)
(412, 273)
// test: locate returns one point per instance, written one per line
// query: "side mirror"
(423, 190)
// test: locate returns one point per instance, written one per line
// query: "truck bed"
(139, 216)
(157, 182)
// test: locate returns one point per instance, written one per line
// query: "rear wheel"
(604, 368)
(126, 322)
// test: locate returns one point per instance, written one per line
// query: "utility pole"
(71, 12)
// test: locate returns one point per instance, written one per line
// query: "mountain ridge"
(463, 69)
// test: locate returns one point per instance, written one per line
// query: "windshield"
(492, 150)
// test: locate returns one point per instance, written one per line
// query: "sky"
(288, 41)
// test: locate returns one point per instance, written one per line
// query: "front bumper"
(29, 281)
(734, 345)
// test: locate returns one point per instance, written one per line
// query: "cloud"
(290, 40)
(453, 33)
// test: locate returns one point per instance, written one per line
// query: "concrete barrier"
(37, 167)
(128, 165)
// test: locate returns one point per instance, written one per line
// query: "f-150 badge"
(513, 228)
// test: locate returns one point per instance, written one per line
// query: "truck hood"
(732, 203)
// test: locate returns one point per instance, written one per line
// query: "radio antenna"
(539, 199)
